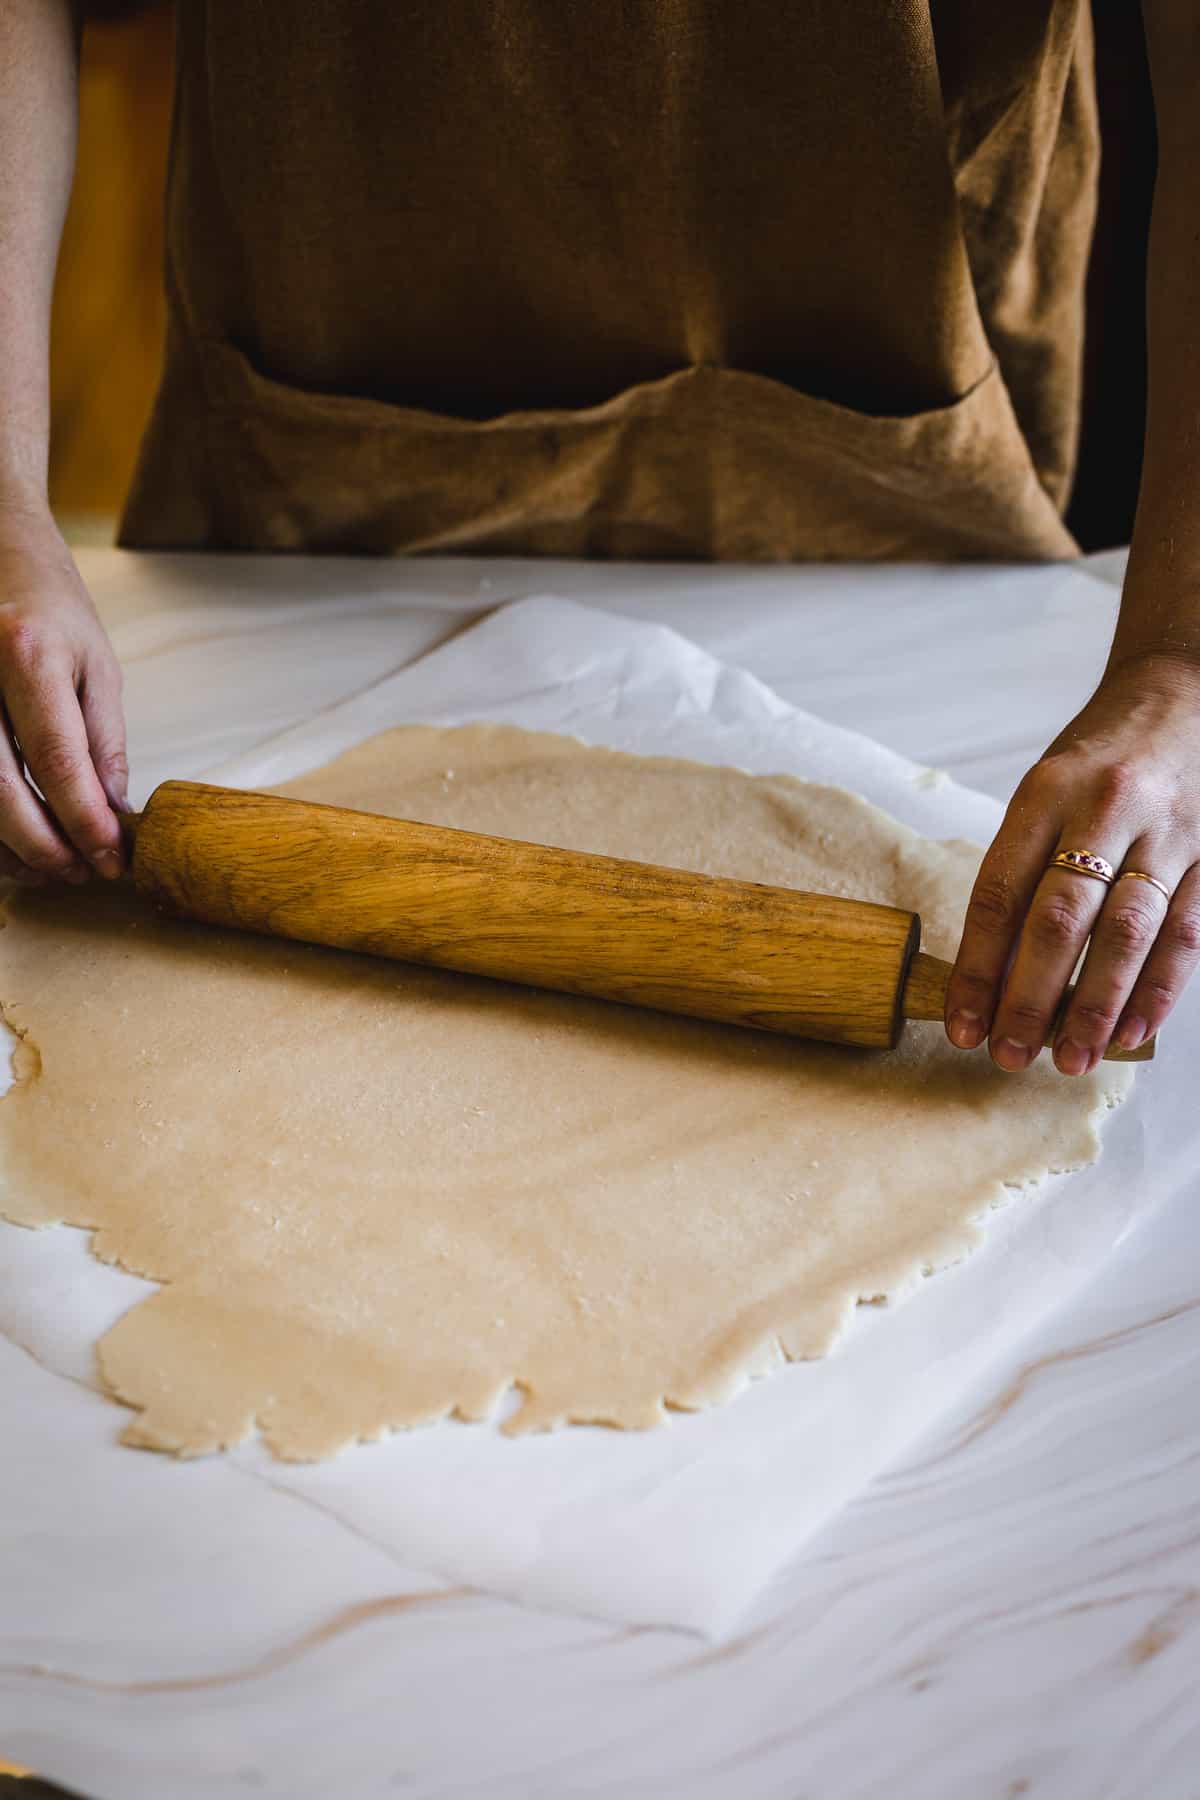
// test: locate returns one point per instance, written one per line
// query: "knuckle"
(89, 839)
(1183, 933)
(1094, 1016)
(991, 907)
(1155, 994)
(56, 761)
(48, 861)
(1118, 785)
(24, 843)
(1130, 930)
(90, 824)
(21, 640)
(1042, 783)
(1056, 924)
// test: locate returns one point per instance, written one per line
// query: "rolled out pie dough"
(375, 1195)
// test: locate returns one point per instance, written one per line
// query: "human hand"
(61, 725)
(1122, 782)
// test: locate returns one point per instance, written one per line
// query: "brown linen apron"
(736, 279)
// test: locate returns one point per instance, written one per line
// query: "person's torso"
(651, 277)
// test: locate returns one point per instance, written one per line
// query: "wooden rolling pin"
(847, 971)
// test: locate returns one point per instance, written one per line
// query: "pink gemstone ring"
(1082, 862)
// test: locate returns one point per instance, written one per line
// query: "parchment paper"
(681, 1526)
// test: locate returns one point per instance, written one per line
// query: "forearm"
(39, 58)
(1160, 608)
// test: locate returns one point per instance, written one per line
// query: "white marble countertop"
(1014, 1610)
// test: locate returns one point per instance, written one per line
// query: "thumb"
(104, 718)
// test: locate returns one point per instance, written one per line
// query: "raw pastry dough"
(375, 1194)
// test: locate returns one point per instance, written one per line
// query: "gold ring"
(1140, 875)
(1082, 862)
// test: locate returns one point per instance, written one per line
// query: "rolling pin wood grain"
(773, 959)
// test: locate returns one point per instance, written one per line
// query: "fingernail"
(1011, 1055)
(76, 873)
(966, 1029)
(1072, 1058)
(108, 864)
(1130, 1032)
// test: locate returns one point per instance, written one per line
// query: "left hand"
(1123, 782)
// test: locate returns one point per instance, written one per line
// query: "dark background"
(1110, 458)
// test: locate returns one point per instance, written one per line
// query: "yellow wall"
(108, 309)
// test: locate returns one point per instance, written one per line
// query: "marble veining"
(1013, 1610)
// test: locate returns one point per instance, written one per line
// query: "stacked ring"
(1086, 862)
(1083, 862)
(1140, 875)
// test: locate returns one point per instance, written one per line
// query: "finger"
(104, 722)
(1122, 938)
(25, 827)
(13, 869)
(1004, 887)
(1060, 919)
(1169, 966)
(44, 709)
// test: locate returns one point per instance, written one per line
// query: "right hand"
(61, 724)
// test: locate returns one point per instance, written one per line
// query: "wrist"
(24, 463)
(1168, 666)
(1158, 624)
(23, 500)
(29, 538)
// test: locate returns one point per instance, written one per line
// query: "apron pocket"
(706, 462)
